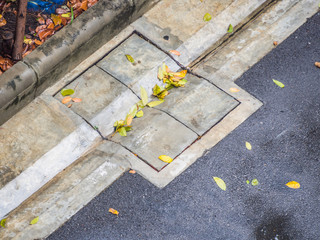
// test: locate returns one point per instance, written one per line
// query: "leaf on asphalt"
(293, 184)
(175, 52)
(76, 99)
(254, 182)
(248, 182)
(66, 92)
(155, 103)
(248, 146)
(234, 90)
(220, 183)
(207, 17)
(2, 21)
(3, 222)
(34, 221)
(113, 211)
(130, 59)
(132, 171)
(139, 114)
(122, 131)
(66, 99)
(144, 96)
(280, 84)
(165, 158)
(230, 29)
(317, 64)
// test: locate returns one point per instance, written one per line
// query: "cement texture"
(284, 134)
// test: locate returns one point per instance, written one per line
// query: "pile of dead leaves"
(48, 25)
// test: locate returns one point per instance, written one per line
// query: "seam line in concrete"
(229, 38)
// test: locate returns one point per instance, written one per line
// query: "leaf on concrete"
(130, 59)
(132, 171)
(133, 110)
(275, 43)
(66, 99)
(129, 119)
(230, 29)
(317, 64)
(207, 17)
(139, 114)
(220, 183)
(34, 221)
(254, 182)
(66, 92)
(234, 90)
(155, 103)
(144, 96)
(113, 211)
(293, 184)
(3, 222)
(248, 146)
(76, 99)
(122, 131)
(160, 73)
(280, 84)
(180, 74)
(165, 158)
(175, 52)
(70, 105)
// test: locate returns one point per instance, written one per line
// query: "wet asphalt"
(285, 138)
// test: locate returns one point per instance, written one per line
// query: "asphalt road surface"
(285, 138)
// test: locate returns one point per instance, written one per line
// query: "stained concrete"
(199, 105)
(155, 134)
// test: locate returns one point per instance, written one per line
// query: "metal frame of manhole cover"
(183, 127)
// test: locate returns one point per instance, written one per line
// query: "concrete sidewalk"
(63, 157)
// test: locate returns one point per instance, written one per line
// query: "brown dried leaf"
(175, 52)
(2, 21)
(275, 43)
(66, 99)
(234, 90)
(317, 64)
(84, 5)
(132, 171)
(45, 33)
(76, 100)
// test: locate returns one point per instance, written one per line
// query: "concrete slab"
(97, 89)
(155, 134)
(199, 105)
(68, 192)
(145, 55)
(44, 118)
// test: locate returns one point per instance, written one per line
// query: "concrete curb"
(64, 51)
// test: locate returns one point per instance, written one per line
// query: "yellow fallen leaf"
(293, 184)
(66, 99)
(27, 41)
(132, 171)
(130, 59)
(220, 183)
(76, 99)
(234, 90)
(207, 17)
(113, 211)
(278, 83)
(165, 158)
(34, 221)
(2, 21)
(248, 146)
(175, 52)
(129, 120)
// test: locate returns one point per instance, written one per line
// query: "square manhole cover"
(167, 129)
